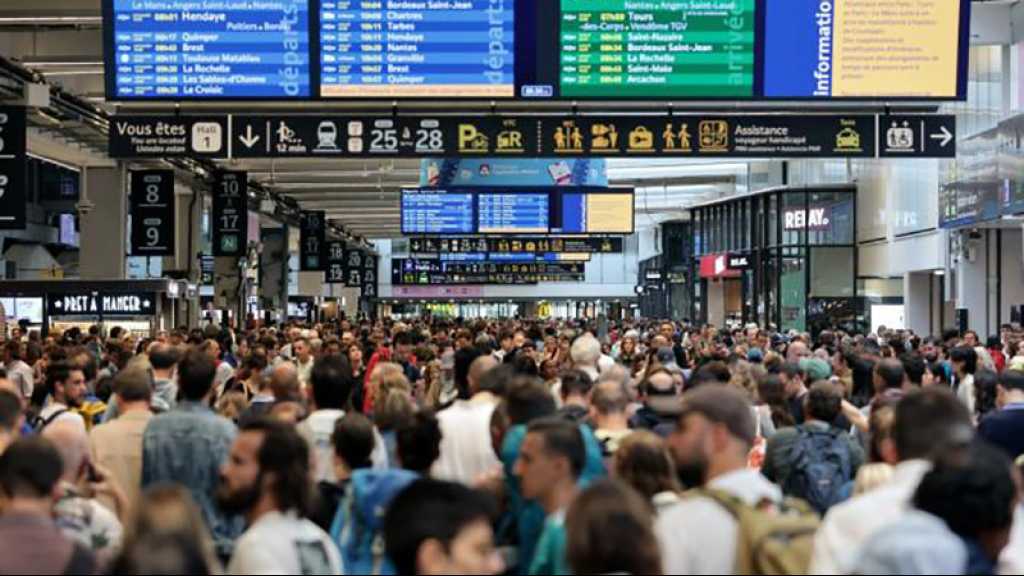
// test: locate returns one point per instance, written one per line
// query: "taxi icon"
(848, 139)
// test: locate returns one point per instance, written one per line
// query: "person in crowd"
(353, 441)
(30, 540)
(258, 387)
(643, 461)
(994, 346)
(986, 385)
(599, 521)
(466, 452)
(163, 358)
(116, 446)
(924, 422)
(574, 392)
(167, 516)
(303, 353)
(660, 399)
(715, 434)
(551, 460)
(188, 444)
(78, 511)
(964, 361)
(608, 406)
(12, 415)
(18, 371)
(405, 358)
(418, 442)
(815, 461)
(437, 527)
(506, 347)
(771, 392)
(881, 453)
(268, 480)
(585, 354)
(795, 388)
(1005, 427)
(284, 383)
(330, 382)
(66, 385)
(936, 374)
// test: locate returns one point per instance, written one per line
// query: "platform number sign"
(313, 241)
(152, 213)
(13, 199)
(354, 269)
(369, 276)
(336, 262)
(230, 214)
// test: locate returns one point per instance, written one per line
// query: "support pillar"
(104, 229)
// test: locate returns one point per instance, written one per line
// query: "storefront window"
(770, 284)
(793, 290)
(773, 220)
(832, 273)
(830, 218)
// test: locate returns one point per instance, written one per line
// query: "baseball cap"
(755, 355)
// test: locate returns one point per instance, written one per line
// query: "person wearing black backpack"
(815, 461)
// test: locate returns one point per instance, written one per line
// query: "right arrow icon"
(944, 135)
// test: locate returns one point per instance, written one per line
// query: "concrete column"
(972, 287)
(227, 283)
(104, 229)
(188, 213)
(916, 303)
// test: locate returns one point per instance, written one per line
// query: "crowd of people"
(519, 446)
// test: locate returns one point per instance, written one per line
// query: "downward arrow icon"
(945, 135)
(249, 139)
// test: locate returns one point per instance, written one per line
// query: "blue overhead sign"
(183, 49)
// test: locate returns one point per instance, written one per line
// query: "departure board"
(648, 48)
(437, 212)
(514, 213)
(596, 213)
(213, 49)
(435, 48)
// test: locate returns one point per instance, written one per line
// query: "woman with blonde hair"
(392, 402)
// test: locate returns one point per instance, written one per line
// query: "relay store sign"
(811, 219)
(138, 304)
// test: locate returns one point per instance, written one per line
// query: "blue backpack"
(822, 471)
(357, 528)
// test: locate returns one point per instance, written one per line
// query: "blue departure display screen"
(210, 49)
(514, 213)
(437, 48)
(437, 212)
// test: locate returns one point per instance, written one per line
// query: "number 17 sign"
(230, 214)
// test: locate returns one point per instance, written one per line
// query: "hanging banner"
(335, 262)
(151, 207)
(312, 241)
(230, 214)
(13, 200)
(354, 270)
(499, 172)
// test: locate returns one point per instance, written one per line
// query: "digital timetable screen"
(515, 211)
(536, 49)
(456, 48)
(209, 49)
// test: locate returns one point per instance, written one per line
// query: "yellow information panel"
(609, 213)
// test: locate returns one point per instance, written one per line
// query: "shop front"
(784, 257)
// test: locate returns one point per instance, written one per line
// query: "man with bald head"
(797, 351)
(78, 513)
(284, 382)
(466, 451)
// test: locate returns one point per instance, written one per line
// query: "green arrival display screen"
(657, 48)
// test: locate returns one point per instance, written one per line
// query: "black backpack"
(38, 423)
(821, 470)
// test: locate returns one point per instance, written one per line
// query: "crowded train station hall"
(511, 287)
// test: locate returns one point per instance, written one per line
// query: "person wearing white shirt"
(925, 421)
(715, 434)
(267, 479)
(466, 451)
(18, 372)
(303, 360)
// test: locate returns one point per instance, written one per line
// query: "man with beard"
(268, 480)
(66, 384)
(715, 434)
